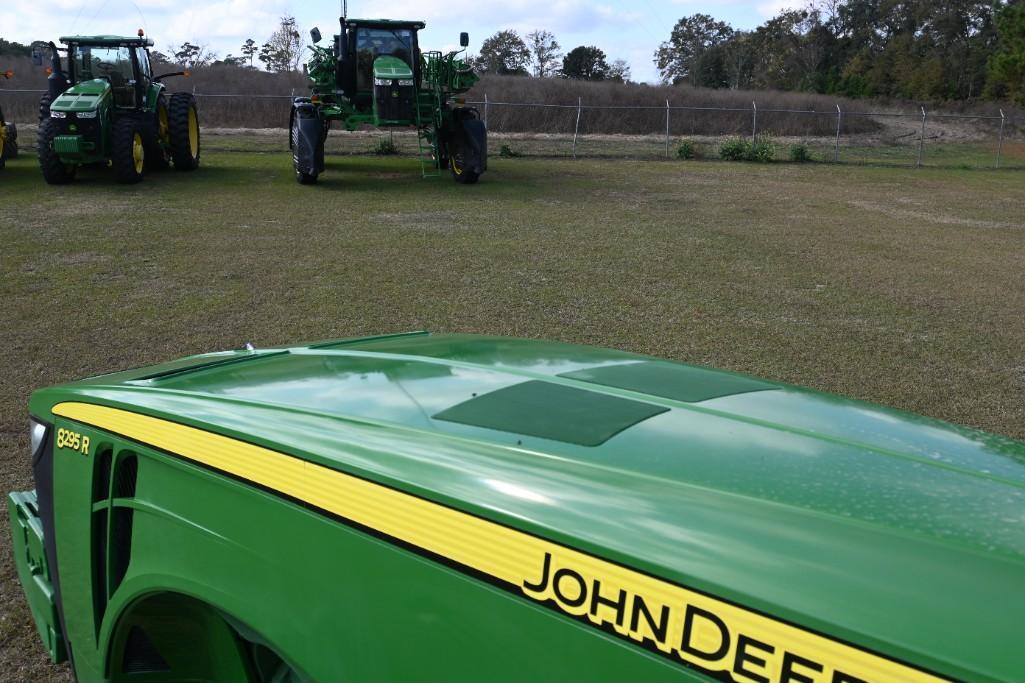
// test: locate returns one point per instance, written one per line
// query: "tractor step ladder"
(425, 148)
(428, 108)
(428, 164)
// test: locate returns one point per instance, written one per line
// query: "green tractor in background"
(8, 133)
(375, 74)
(107, 107)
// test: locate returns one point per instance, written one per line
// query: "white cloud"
(773, 7)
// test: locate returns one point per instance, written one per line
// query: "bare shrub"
(607, 108)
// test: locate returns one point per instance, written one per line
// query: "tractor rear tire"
(158, 137)
(44, 107)
(457, 144)
(460, 173)
(128, 152)
(10, 150)
(55, 171)
(440, 152)
(183, 121)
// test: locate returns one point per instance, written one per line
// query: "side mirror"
(464, 39)
(315, 34)
(37, 57)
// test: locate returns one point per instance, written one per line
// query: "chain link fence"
(922, 138)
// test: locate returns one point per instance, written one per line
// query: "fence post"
(667, 129)
(576, 130)
(485, 110)
(836, 149)
(1000, 140)
(921, 140)
(754, 122)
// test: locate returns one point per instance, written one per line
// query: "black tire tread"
(293, 139)
(122, 160)
(55, 172)
(457, 138)
(178, 119)
(10, 150)
(156, 159)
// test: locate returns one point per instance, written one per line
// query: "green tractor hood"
(899, 534)
(391, 68)
(82, 97)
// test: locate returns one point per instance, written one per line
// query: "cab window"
(372, 43)
(113, 64)
(144, 66)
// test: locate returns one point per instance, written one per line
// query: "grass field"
(897, 286)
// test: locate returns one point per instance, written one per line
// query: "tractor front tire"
(128, 151)
(10, 150)
(55, 171)
(183, 123)
(301, 177)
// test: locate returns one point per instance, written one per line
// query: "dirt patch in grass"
(928, 217)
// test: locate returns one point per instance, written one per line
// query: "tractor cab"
(122, 62)
(94, 65)
(379, 65)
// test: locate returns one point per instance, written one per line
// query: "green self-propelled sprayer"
(375, 74)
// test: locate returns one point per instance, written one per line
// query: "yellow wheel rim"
(193, 133)
(164, 124)
(138, 153)
(455, 166)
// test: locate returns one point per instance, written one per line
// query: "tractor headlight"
(58, 114)
(382, 81)
(37, 435)
(406, 82)
(87, 115)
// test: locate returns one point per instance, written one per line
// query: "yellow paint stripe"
(519, 559)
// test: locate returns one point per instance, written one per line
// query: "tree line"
(908, 49)
(507, 54)
(911, 49)
(282, 51)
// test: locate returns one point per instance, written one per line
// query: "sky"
(624, 29)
